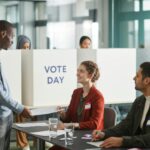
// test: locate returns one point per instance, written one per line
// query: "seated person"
(86, 109)
(134, 130)
(85, 42)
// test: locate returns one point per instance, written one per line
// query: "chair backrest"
(109, 117)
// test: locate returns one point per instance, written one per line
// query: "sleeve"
(69, 109)
(6, 100)
(140, 141)
(124, 127)
(96, 118)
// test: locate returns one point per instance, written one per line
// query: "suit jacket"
(7, 104)
(129, 128)
(93, 109)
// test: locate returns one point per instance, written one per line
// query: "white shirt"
(146, 108)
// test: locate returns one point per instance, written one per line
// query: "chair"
(109, 117)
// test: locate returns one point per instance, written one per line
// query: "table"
(78, 144)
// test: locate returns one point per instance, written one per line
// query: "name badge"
(148, 123)
(87, 106)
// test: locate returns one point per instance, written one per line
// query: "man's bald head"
(6, 34)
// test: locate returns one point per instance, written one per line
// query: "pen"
(95, 138)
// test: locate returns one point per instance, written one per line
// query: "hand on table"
(97, 135)
(60, 126)
(112, 142)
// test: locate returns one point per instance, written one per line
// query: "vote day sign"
(48, 77)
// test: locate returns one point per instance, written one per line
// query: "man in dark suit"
(134, 130)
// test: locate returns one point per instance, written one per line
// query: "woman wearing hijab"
(23, 42)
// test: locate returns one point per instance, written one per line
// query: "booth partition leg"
(40, 144)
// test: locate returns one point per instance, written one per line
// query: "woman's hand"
(60, 126)
(61, 112)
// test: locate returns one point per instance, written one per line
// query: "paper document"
(93, 149)
(33, 124)
(134, 149)
(47, 133)
(97, 143)
(42, 110)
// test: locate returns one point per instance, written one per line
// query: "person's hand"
(26, 113)
(112, 142)
(60, 126)
(97, 135)
(61, 112)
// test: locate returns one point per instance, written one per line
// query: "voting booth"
(48, 77)
(11, 65)
(117, 69)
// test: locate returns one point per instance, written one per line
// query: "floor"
(13, 145)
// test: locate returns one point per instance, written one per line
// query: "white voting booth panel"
(86, 54)
(49, 77)
(143, 55)
(11, 65)
(117, 69)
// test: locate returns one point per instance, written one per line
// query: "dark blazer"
(129, 128)
(92, 116)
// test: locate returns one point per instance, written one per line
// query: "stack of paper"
(97, 143)
(47, 133)
(33, 124)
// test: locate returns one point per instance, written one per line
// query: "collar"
(147, 98)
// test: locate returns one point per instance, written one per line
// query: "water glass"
(52, 123)
(69, 134)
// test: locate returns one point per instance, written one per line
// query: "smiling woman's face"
(82, 75)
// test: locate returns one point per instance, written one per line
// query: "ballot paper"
(97, 143)
(47, 133)
(36, 111)
(33, 124)
(93, 149)
(42, 110)
(134, 149)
